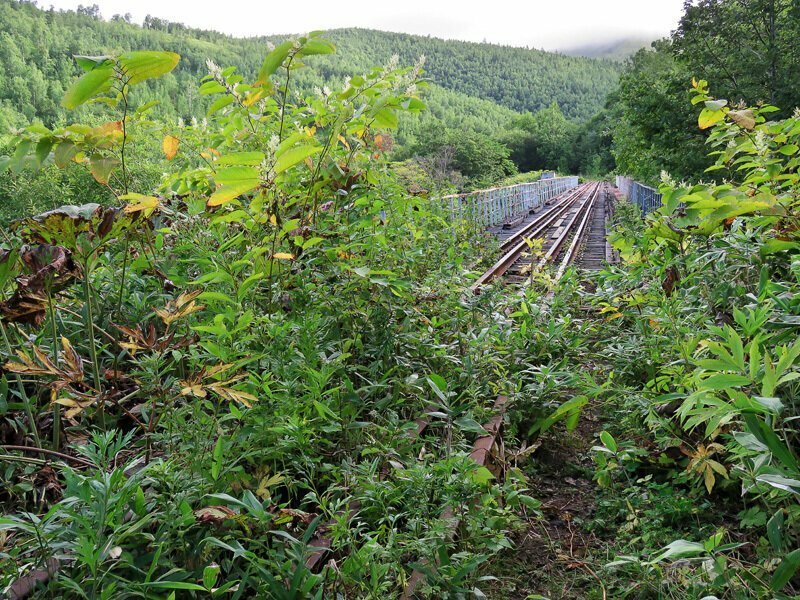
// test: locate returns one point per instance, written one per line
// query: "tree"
(749, 49)
(654, 123)
(541, 140)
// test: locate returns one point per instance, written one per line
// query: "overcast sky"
(548, 24)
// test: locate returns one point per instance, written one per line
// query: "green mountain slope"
(476, 86)
(517, 78)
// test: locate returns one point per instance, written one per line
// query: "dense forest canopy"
(748, 49)
(37, 46)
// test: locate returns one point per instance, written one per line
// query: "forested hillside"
(749, 50)
(37, 45)
(479, 126)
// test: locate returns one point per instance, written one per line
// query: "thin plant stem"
(56, 407)
(26, 401)
(92, 344)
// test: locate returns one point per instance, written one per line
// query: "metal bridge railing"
(645, 197)
(499, 205)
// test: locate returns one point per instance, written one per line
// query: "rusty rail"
(481, 452)
(517, 244)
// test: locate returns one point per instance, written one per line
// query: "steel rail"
(569, 197)
(556, 246)
(539, 225)
(577, 239)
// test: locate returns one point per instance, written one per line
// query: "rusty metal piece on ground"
(26, 584)
(481, 451)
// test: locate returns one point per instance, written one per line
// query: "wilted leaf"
(214, 514)
(743, 118)
(709, 117)
(101, 167)
(140, 203)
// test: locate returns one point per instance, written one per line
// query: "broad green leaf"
(780, 483)
(146, 64)
(775, 530)
(101, 167)
(216, 297)
(295, 155)
(317, 46)
(228, 193)
(234, 175)
(773, 246)
(608, 441)
(216, 462)
(210, 575)
(769, 438)
(89, 85)
(43, 148)
(386, 118)
(219, 104)
(570, 408)
(785, 571)
(88, 63)
(789, 149)
(64, 153)
(235, 182)
(242, 158)
(723, 381)
(481, 476)
(274, 60)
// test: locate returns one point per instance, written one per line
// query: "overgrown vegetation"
(226, 365)
(747, 48)
(243, 339)
(474, 96)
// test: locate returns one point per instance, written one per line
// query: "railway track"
(571, 230)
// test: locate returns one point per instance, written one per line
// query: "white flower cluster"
(393, 62)
(409, 81)
(761, 143)
(667, 179)
(213, 68)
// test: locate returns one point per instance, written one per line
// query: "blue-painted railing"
(500, 205)
(645, 197)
